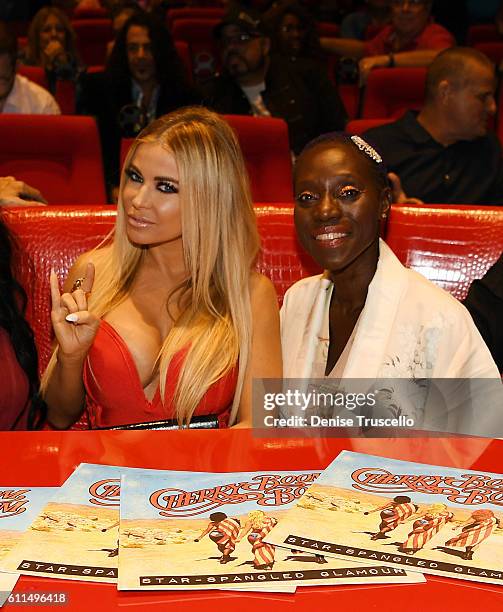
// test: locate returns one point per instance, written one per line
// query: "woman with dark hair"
(52, 46)
(143, 80)
(20, 406)
(293, 31)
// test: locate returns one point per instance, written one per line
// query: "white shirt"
(28, 98)
(409, 331)
(254, 95)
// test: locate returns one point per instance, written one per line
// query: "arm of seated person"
(62, 383)
(348, 47)
(265, 353)
(17, 193)
(398, 195)
(404, 59)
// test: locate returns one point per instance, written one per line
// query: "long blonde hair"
(220, 243)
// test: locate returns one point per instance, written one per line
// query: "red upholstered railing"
(450, 245)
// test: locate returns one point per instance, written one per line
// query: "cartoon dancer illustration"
(258, 526)
(224, 532)
(425, 527)
(392, 514)
(113, 552)
(477, 528)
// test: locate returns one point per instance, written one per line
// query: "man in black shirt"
(445, 153)
(254, 82)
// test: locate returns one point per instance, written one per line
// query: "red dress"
(14, 387)
(115, 396)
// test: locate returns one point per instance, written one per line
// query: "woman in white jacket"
(367, 316)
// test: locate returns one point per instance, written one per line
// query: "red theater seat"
(65, 90)
(266, 150)
(183, 50)
(52, 237)
(350, 96)
(391, 91)
(482, 32)
(193, 12)
(493, 50)
(450, 245)
(35, 74)
(60, 155)
(327, 29)
(93, 35)
(90, 13)
(198, 34)
(359, 126)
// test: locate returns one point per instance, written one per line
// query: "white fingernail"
(72, 318)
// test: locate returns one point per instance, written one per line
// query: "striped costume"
(263, 552)
(225, 534)
(393, 516)
(424, 529)
(474, 533)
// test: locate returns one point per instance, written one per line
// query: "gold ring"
(78, 283)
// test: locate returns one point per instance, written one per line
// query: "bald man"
(445, 153)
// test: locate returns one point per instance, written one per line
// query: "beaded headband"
(366, 148)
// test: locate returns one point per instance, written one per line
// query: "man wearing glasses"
(411, 39)
(254, 82)
(18, 94)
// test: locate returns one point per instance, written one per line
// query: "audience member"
(254, 82)
(177, 324)
(52, 46)
(367, 22)
(293, 31)
(410, 40)
(367, 316)
(485, 303)
(17, 93)
(143, 79)
(445, 153)
(120, 13)
(20, 406)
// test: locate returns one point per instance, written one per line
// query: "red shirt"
(433, 36)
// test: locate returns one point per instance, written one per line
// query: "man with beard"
(253, 82)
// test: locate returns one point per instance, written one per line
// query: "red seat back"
(493, 50)
(281, 257)
(266, 151)
(198, 34)
(350, 96)
(449, 245)
(60, 155)
(52, 237)
(93, 35)
(183, 50)
(359, 126)
(327, 29)
(193, 12)
(391, 91)
(35, 74)
(482, 32)
(90, 13)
